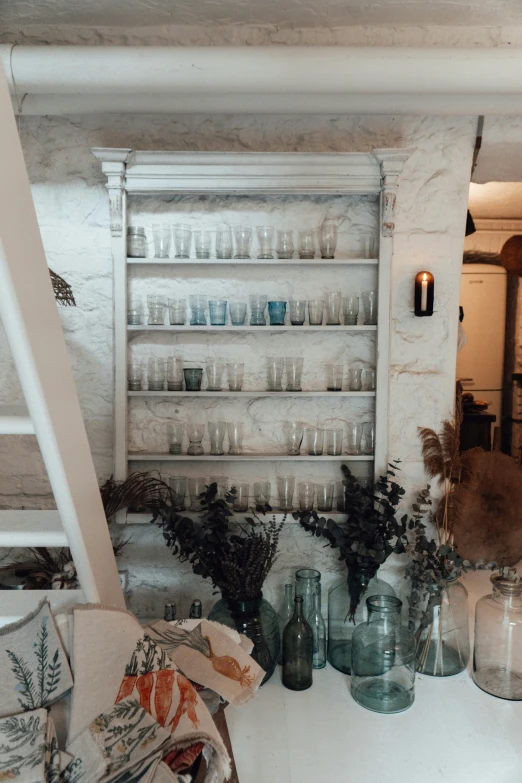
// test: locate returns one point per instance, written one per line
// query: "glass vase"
(257, 620)
(439, 621)
(344, 613)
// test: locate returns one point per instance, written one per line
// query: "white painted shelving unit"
(141, 173)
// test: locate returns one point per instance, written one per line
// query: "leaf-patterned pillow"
(34, 670)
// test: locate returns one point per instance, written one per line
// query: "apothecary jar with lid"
(497, 657)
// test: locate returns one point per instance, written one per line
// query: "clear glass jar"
(441, 628)
(497, 656)
(344, 614)
(136, 242)
(383, 658)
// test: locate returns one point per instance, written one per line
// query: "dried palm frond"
(138, 492)
(62, 290)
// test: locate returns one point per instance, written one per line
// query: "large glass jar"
(497, 656)
(383, 658)
(257, 620)
(136, 242)
(441, 627)
(344, 616)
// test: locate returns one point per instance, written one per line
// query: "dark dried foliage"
(140, 492)
(62, 290)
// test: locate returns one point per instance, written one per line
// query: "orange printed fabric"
(209, 656)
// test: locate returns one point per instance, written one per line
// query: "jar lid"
(136, 231)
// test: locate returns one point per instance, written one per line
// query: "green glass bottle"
(298, 649)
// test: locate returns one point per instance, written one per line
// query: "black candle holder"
(424, 293)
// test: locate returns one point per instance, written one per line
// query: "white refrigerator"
(480, 364)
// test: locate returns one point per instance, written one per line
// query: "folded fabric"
(210, 657)
(164, 774)
(34, 671)
(23, 747)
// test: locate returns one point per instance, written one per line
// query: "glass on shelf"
(315, 311)
(235, 437)
(196, 487)
(195, 434)
(182, 240)
(198, 308)
(265, 238)
(353, 437)
(216, 431)
(340, 496)
(161, 235)
(235, 373)
(294, 431)
(224, 243)
(174, 373)
(258, 304)
(305, 492)
(177, 311)
(354, 377)
(175, 437)
(262, 493)
(221, 483)
(178, 487)
(136, 242)
(293, 371)
(332, 306)
(285, 244)
(362, 245)
(369, 303)
(328, 239)
(156, 377)
(350, 310)
(135, 375)
(297, 311)
(241, 496)
(285, 491)
(215, 366)
(368, 380)
(306, 244)
(156, 307)
(334, 377)
(193, 378)
(218, 312)
(238, 312)
(368, 437)
(277, 313)
(314, 441)
(202, 242)
(243, 236)
(334, 442)
(324, 495)
(134, 310)
(274, 369)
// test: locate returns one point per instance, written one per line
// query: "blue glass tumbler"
(276, 313)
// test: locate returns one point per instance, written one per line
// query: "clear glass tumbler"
(340, 496)
(277, 313)
(177, 311)
(135, 375)
(222, 485)
(196, 487)
(369, 302)
(285, 244)
(306, 491)
(218, 312)
(156, 373)
(198, 310)
(224, 242)
(235, 373)
(285, 491)
(294, 431)
(258, 304)
(314, 441)
(353, 437)
(334, 377)
(195, 433)
(241, 496)
(293, 370)
(175, 437)
(265, 238)
(156, 307)
(174, 373)
(354, 379)
(243, 236)
(368, 380)
(216, 431)
(235, 437)
(332, 302)
(136, 242)
(182, 240)
(134, 310)
(315, 311)
(368, 437)
(350, 310)
(328, 239)
(324, 495)
(202, 243)
(262, 492)
(193, 378)
(297, 311)
(215, 366)
(161, 234)
(237, 313)
(334, 442)
(178, 486)
(274, 370)
(306, 244)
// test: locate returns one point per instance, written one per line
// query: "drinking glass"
(340, 495)
(277, 312)
(156, 307)
(274, 368)
(216, 431)
(224, 242)
(285, 244)
(334, 442)
(161, 234)
(240, 502)
(315, 311)
(202, 242)
(257, 309)
(218, 312)
(235, 437)
(368, 437)
(350, 310)
(324, 496)
(156, 373)
(136, 242)
(314, 441)
(369, 303)
(222, 485)
(196, 487)
(174, 373)
(332, 303)
(354, 379)
(237, 313)
(368, 245)
(135, 375)
(195, 433)
(334, 377)
(306, 490)
(235, 373)
(353, 437)
(198, 307)
(215, 366)
(193, 377)
(297, 311)
(262, 492)
(134, 310)
(293, 369)
(306, 244)
(178, 486)
(175, 437)
(243, 239)
(369, 380)
(294, 437)
(182, 240)
(177, 311)
(265, 238)
(328, 239)
(285, 490)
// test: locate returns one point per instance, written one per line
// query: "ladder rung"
(15, 420)
(15, 604)
(31, 528)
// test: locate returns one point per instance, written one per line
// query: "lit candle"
(424, 293)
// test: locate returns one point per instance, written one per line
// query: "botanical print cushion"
(23, 747)
(34, 671)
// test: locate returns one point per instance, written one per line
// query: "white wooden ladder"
(33, 329)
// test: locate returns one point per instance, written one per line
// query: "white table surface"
(453, 733)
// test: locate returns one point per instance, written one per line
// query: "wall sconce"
(424, 291)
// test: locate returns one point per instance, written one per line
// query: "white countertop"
(453, 733)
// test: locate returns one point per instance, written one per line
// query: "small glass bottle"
(497, 656)
(298, 647)
(285, 614)
(319, 631)
(169, 611)
(196, 610)
(383, 658)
